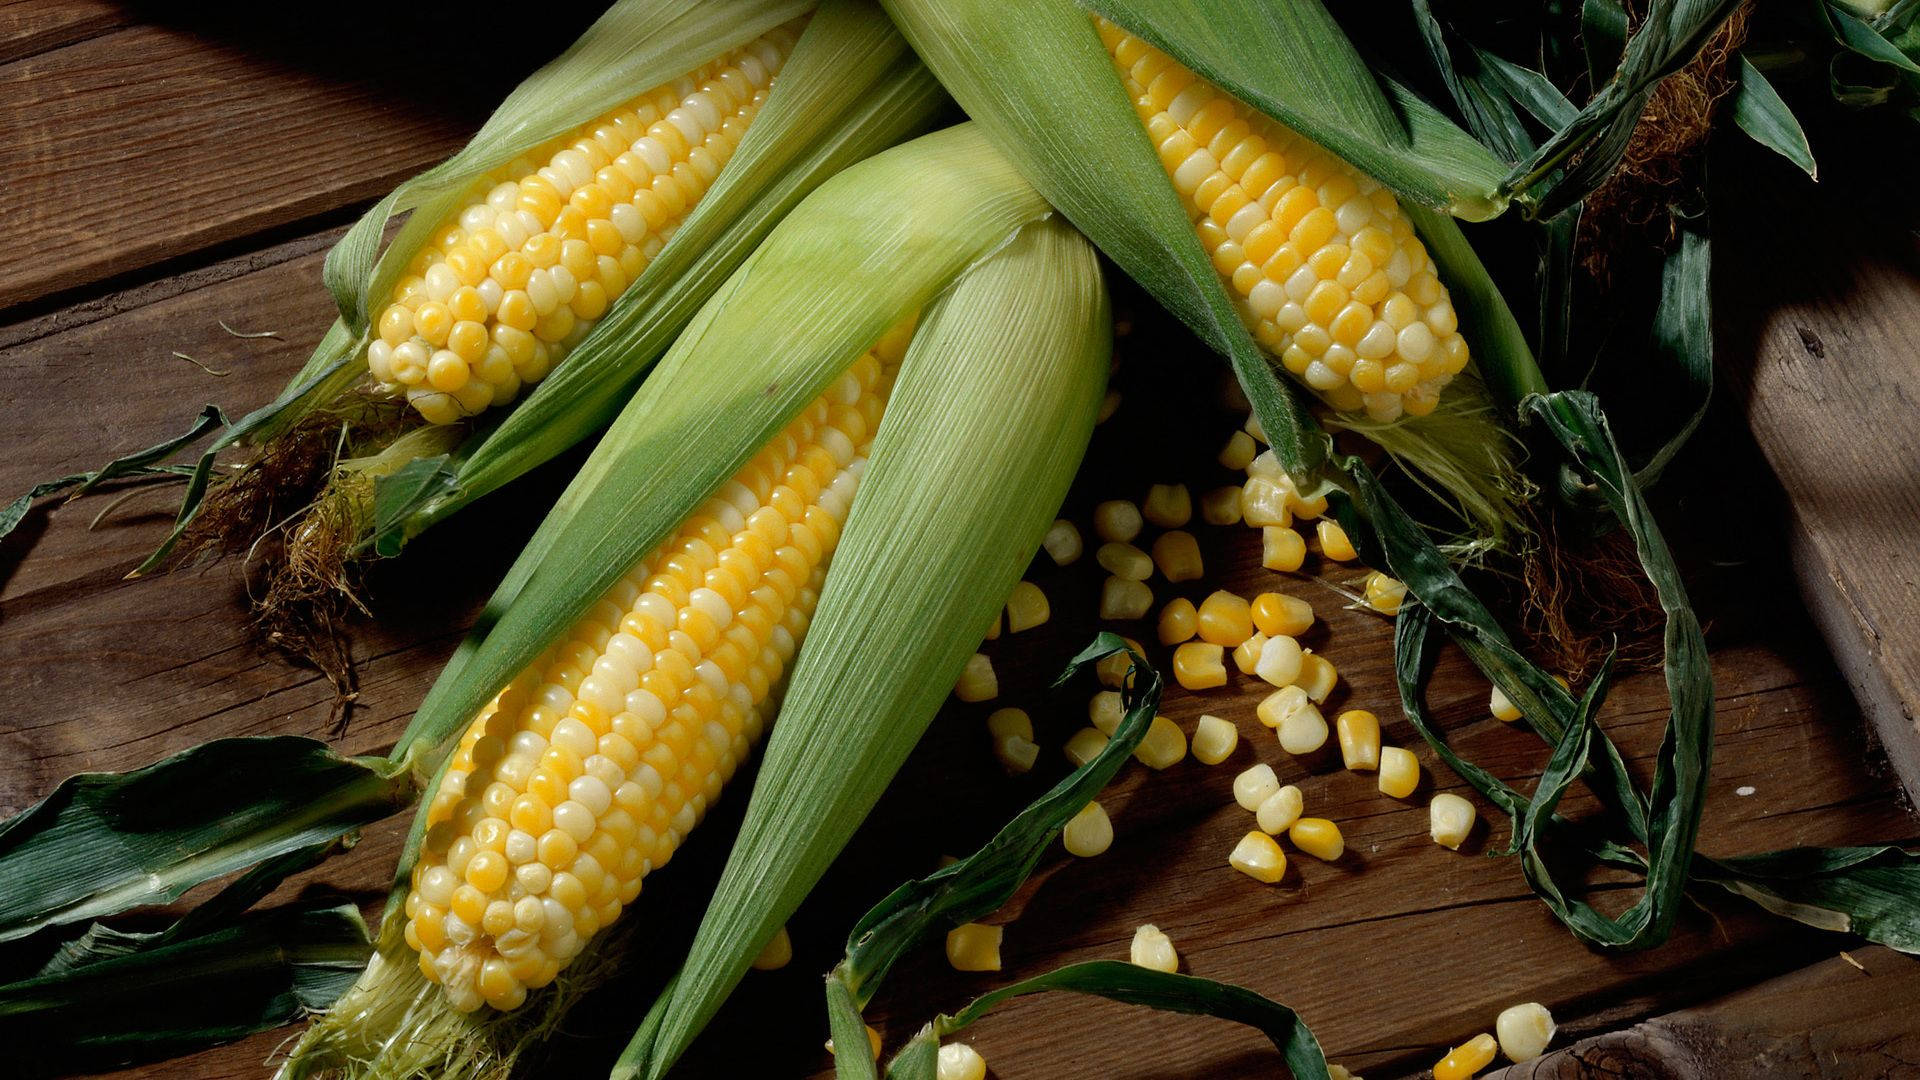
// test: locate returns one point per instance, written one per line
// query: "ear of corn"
(997, 395)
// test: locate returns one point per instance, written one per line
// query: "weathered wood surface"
(1395, 952)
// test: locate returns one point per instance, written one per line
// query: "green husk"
(991, 413)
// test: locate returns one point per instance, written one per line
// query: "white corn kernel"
(1062, 542)
(1259, 857)
(1089, 832)
(1503, 709)
(1116, 669)
(1117, 520)
(974, 947)
(1301, 728)
(1399, 772)
(977, 681)
(1167, 505)
(1083, 745)
(1105, 711)
(1524, 1031)
(1279, 662)
(1280, 810)
(1015, 754)
(958, 1061)
(1450, 819)
(1123, 560)
(1124, 599)
(1153, 949)
(1214, 740)
(1253, 786)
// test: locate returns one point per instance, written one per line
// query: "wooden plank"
(1851, 1015)
(1820, 319)
(28, 27)
(193, 129)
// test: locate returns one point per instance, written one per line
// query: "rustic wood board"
(1393, 953)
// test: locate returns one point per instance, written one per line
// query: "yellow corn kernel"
(1177, 554)
(1164, 745)
(1153, 949)
(1399, 772)
(1015, 754)
(1062, 542)
(1334, 543)
(1178, 621)
(1168, 505)
(1089, 832)
(1121, 598)
(1385, 594)
(1026, 608)
(1503, 709)
(1239, 451)
(1004, 722)
(1116, 669)
(1259, 857)
(1083, 746)
(977, 681)
(993, 632)
(1221, 506)
(1359, 734)
(1105, 711)
(1317, 837)
(1524, 1031)
(974, 947)
(1254, 786)
(1123, 560)
(1279, 662)
(777, 954)
(1214, 740)
(1317, 677)
(1278, 811)
(958, 1061)
(873, 1043)
(1117, 521)
(1465, 1061)
(1225, 619)
(1277, 613)
(1341, 1072)
(1263, 503)
(1198, 665)
(1449, 820)
(1246, 655)
(1281, 548)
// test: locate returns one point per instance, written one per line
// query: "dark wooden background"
(169, 171)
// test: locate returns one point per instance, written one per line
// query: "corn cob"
(1323, 264)
(519, 276)
(587, 772)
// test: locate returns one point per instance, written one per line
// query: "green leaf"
(141, 463)
(1683, 335)
(989, 418)
(1761, 113)
(1488, 111)
(106, 842)
(1870, 891)
(1868, 42)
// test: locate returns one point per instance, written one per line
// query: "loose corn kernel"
(1214, 740)
(1277, 613)
(1084, 745)
(1199, 666)
(1026, 608)
(1062, 542)
(1334, 543)
(1239, 451)
(1105, 710)
(1504, 710)
(1108, 406)
(1253, 786)
(1117, 521)
(1225, 619)
(1524, 1030)
(1385, 594)
(1163, 745)
(993, 632)
(1123, 560)
(1003, 722)
(1177, 554)
(1221, 506)
(1340, 1072)
(873, 1042)
(977, 681)
(958, 1061)
(1263, 503)
(777, 954)
(1015, 754)
(1280, 810)
(1282, 549)
(1123, 599)
(1089, 832)
(1279, 662)
(974, 947)
(1178, 621)
(1246, 655)
(1295, 720)
(1450, 819)
(1116, 669)
(1465, 1061)
(1317, 837)
(1399, 771)
(1153, 949)
(1317, 677)
(1359, 734)
(1167, 505)
(1259, 857)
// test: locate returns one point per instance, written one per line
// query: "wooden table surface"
(167, 176)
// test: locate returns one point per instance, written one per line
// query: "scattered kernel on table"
(1399, 772)
(1317, 677)
(1279, 663)
(974, 947)
(1246, 655)
(1123, 560)
(1163, 746)
(1026, 608)
(1334, 543)
(1221, 506)
(1116, 669)
(1264, 503)
(1254, 785)
(1280, 810)
(1317, 837)
(977, 681)
(777, 954)
(1359, 734)
(1214, 740)
(1153, 949)
(1084, 745)
(1273, 709)
(1198, 665)
(1277, 613)
(1062, 543)
(1121, 598)
(1225, 619)
(1089, 832)
(1177, 554)
(1178, 621)
(1282, 549)
(1239, 451)
(1105, 710)
(1466, 1060)
(1385, 594)
(1015, 754)
(1010, 722)
(1302, 730)
(1503, 708)
(1259, 857)
(1168, 505)
(1117, 520)
(1450, 819)
(1524, 1031)
(958, 1061)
